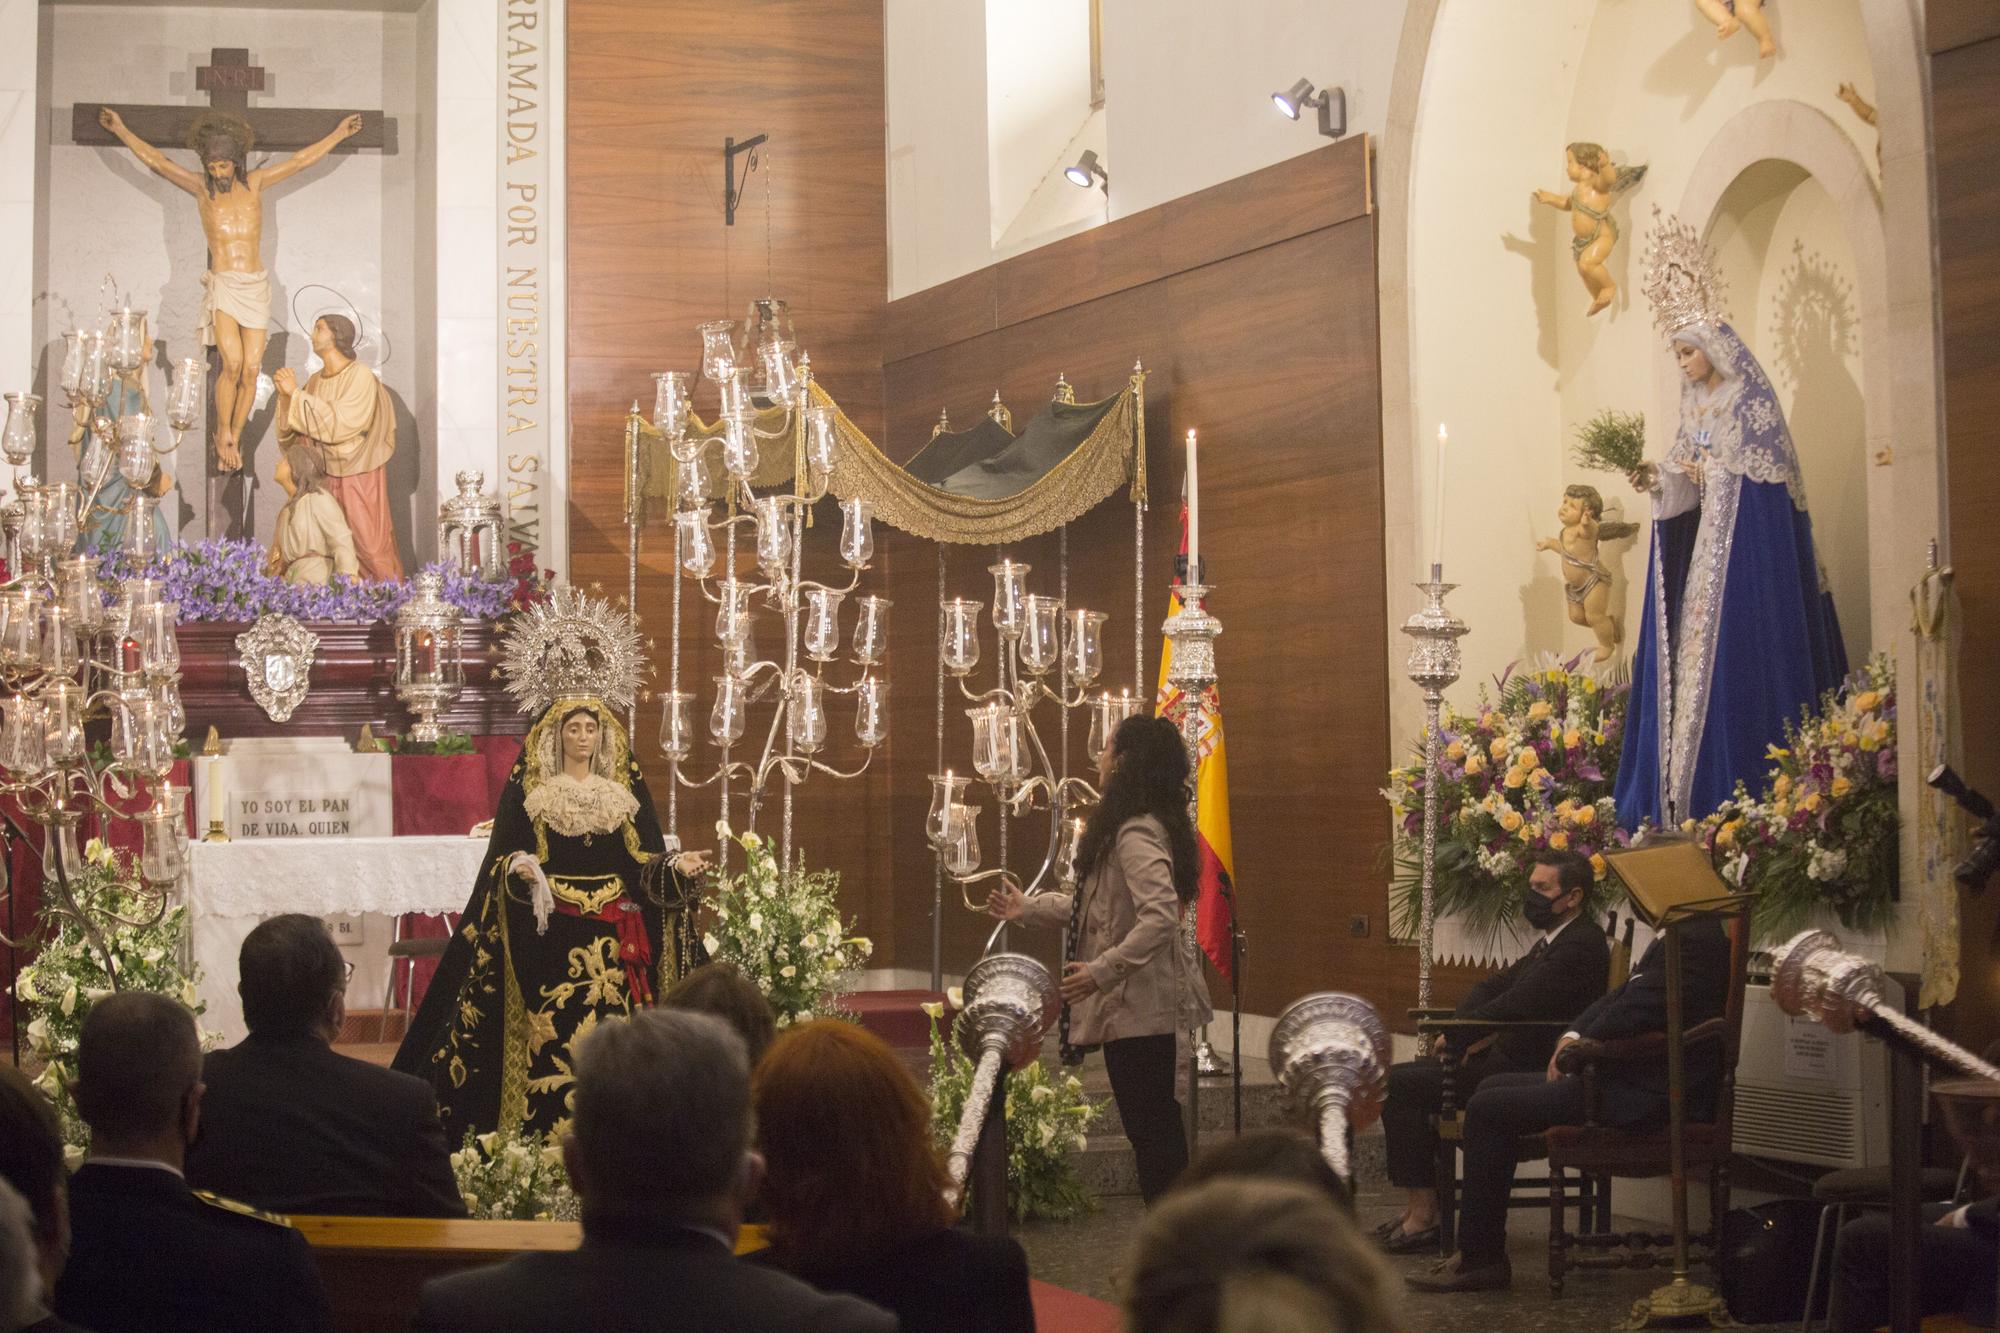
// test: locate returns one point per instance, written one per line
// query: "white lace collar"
(576, 806)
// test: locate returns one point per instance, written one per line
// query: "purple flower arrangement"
(225, 579)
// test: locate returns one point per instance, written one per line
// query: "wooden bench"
(375, 1267)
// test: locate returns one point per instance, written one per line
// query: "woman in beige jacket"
(1128, 984)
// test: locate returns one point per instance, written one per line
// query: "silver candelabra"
(1434, 665)
(1191, 631)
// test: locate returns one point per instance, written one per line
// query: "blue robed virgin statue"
(1738, 633)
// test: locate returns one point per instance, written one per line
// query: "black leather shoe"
(1400, 1241)
(1452, 1275)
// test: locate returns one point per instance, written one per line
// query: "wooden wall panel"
(1269, 346)
(654, 88)
(1966, 125)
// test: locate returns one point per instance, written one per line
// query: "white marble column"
(19, 111)
(468, 304)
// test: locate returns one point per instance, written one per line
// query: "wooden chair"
(1597, 1150)
(1474, 1036)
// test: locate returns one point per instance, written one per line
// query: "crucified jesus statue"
(236, 298)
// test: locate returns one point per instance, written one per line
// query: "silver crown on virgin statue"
(572, 645)
(1682, 280)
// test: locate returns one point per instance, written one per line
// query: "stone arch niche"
(1484, 326)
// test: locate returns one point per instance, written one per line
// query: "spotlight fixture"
(1086, 170)
(1331, 103)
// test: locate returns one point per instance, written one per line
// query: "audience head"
(293, 978)
(20, 1280)
(1268, 1154)
(1558, 887)
(661, 1121)
(31, 1161)
(1255, 1256)
(138, 1076)
(846, 1139)
(720, 988)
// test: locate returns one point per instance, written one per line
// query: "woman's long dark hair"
(1148, 777)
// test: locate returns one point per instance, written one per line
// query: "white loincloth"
(244, 297)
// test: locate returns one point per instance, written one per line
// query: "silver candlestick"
(1192, 632)
(1330, 1053)
(1433, 664)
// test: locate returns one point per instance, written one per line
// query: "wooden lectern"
(1671, 882)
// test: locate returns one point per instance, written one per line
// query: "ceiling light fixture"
(1087, 170)
(1331, 104)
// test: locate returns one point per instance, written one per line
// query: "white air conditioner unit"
(1805, 1094)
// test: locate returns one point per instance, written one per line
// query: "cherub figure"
(1586, 583)
(1864, 109)
(1589, 206)
(1729, 15)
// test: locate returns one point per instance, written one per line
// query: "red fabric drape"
(445, 795)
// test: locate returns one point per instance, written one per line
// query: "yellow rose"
(1782, 809)
(1572, 739)
(1455, 751)
(1599, 864)
(1559, 840)
(1474, 764)
(1726, 835)
(1499, 747)
(1867, 701)
(1841, 786)
(1590, 685)
(1529, 760)
(1783, 785)
(1510, 820)
(1585, 815)
(1539, 711)
(1516, 779)
(1809, 802)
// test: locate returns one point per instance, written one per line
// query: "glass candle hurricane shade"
(22, 749)
(160, 846)
(961, 635)
(19, 435)
(670, 404)
(1107, 710)
(822, 641)
(125, 340)
(1041, 629)
(697, 546)
(718, 349)
(805, 715)
(725, 719)
(739, 448)
(871, 710)
(961, 847)
(947, 790)
(1083, 653)
(676, 731)
(1010, 578)
(62, 721)
(732, 610)
(774, 534)
(871, 630)
(857, 533)
(184, 394)
(697, 484)
(135, 448)
(736, 395)
(822, 449)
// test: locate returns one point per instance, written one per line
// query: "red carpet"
(1060, 1311)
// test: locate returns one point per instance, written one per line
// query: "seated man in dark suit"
(1562, 973)
(147, 1253)
(290, 1125)
(1958, 1262)
(659, 1154)
(1508, 1106)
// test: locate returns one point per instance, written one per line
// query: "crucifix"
(236, 296)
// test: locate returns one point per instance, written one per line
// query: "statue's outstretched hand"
(110, 119)
(351, 126)
(691, 863)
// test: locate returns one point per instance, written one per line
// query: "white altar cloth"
(234, 885)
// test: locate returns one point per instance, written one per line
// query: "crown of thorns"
(229, 129)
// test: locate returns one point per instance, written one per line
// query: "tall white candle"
(217, 811)
(1437, 504)
(1194, 514)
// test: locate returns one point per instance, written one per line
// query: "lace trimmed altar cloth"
(234, 885)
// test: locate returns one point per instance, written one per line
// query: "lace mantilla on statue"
(1737, 425)
(574, 807)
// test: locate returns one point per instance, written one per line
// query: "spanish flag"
(1215, 903)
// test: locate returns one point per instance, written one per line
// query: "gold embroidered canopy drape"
(1064, 463)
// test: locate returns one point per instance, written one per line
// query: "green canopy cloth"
(977, 487)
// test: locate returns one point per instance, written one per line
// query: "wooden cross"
(229, 78)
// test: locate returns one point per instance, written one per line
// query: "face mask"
(1539, 911)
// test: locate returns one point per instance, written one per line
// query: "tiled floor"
(1088, 1256)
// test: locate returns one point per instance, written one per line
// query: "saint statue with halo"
(1738, 633)
(580, 912)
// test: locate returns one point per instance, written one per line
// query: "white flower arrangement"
(1047, 1117)
(505, 1177)
(782, 927)
(69, 974)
